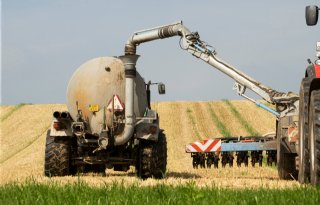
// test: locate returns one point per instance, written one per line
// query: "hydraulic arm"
(286, 103)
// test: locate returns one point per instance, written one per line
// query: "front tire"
(314, 137)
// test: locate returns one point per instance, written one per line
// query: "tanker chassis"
(99, 131)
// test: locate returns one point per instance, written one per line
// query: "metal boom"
(190, 41)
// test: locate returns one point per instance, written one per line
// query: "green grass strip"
(242, 121)
(15, 108)
(193, 122)
(81, 193)
(221, 127)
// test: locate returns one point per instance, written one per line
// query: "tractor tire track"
(261, 120)
(245, 124)
(10, 112)
(25, 147)
(219, 124)
(193, 123)
(201, 119)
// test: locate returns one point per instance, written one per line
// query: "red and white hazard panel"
(293, 134)
(211, 145)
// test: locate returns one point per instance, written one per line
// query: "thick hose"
(161, 32)
(129, 62)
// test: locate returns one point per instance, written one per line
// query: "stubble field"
(23, 130)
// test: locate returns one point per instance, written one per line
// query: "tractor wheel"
(314, 137)
(152, 159)
(286, 161)
(304, 171)
(58, 157)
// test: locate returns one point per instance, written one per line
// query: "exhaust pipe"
(64, 115)
(129, 62)
(56, 114)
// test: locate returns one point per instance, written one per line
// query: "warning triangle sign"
(117, 104)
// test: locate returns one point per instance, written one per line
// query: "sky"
(43, 42)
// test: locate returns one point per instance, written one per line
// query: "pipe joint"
(129, 62)
(130, 73)
(130, 48)
(167, 31)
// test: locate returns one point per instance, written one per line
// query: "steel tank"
(92, 88)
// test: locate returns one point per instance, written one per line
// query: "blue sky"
(44, 42)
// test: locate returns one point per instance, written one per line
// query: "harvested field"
(23, 138)
(259, 119)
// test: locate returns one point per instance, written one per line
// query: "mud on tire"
(57, 157)
(152, 158)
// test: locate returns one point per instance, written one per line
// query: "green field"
(33, 192)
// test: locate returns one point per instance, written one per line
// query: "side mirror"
(162, 88)
(312, 13)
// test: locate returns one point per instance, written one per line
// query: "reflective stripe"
(211, 145)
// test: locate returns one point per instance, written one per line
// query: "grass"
(80, 193)
(193, 122)
(243, 122)
(222, 128)
(15, 108)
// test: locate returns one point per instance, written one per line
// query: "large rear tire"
(58, 157)
(304, 165)
(152, 159)
(314, 137)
